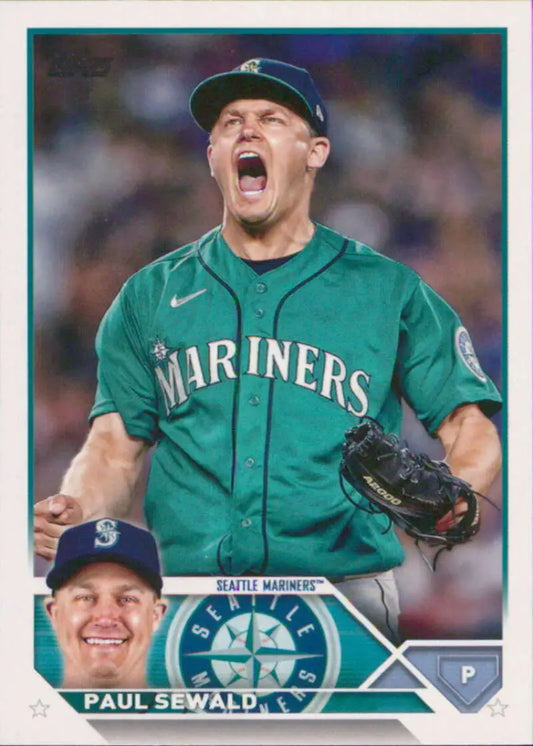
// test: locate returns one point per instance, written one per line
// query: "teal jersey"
(247, 383)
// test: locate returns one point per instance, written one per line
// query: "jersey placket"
(249, 545)
(259, 300)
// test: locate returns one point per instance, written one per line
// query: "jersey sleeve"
(125, 378)
(438, 367)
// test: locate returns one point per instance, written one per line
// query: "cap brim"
(209, 97)
(57, 578)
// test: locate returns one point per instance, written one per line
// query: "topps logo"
(70, 65)
(382, 492)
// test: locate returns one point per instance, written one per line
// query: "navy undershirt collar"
(260, 266)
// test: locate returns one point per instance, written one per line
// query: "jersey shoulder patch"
(466, 352)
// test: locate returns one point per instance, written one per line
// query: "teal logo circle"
(284, 649)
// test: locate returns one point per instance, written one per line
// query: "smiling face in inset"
(104, 618)
(264, 158)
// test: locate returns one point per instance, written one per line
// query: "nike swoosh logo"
(175, 301)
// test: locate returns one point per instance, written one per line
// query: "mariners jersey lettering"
(247, 384)
(182, 372)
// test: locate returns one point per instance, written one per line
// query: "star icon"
(497, 708)
(159, 349)
(39, 709)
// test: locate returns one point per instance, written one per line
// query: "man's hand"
(50, 518)
(99, 482)
(417, 493)
(452, 517)
(473, 453)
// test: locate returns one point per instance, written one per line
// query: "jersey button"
(254, 400)
(259, 313)
(260, 288)
(246, 522)
(249, 462)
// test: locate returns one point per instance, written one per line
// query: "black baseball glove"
(412, 489)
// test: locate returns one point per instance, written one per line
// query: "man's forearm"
(103, 475)
(472, 448)
(101, 486)
(99, 482)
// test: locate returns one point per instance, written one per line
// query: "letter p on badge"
(467, 672)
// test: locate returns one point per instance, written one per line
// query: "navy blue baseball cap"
(260, 78)
(106, 540)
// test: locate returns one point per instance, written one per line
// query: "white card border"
(17, 724)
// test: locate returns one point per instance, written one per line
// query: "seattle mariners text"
(267, 585)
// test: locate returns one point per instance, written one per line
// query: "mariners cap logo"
(251, 66)
(318, 112)
(106, 533)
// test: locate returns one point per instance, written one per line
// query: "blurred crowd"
(120, 178)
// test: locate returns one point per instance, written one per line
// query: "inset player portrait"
(105, 603)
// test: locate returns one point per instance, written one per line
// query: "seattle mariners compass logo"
(467, 353)
(283, 648)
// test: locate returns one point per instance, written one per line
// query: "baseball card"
(266, 372)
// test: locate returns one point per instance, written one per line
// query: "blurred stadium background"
(120, 178)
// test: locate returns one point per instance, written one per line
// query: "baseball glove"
(412, 489)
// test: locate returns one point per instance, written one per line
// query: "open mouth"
(108, 642)
(251, 172)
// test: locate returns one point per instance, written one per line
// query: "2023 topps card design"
(427, 108)
(285, 654)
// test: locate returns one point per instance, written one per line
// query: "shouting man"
(246, 355)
